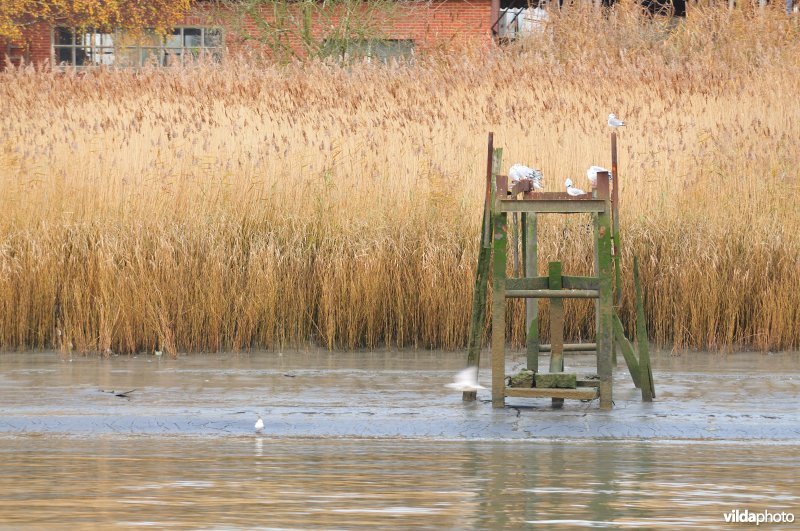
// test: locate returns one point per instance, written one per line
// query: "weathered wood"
(589, 382)
(488, 200)
(605, 334)
(532, 305)
(556, 324)
(645, 370)
(553, 206)
(515, 244)
(500, 246)
(560, 380)
(478, 317)
(571, 347)
(478, 314)
(627, 350)
(553, 293)
(580, 393)
(527, 283)
(615, 219)
(570, 282)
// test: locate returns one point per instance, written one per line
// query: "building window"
(119, 48)
(382, 50)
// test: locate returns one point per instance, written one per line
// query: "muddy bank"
(386, 395)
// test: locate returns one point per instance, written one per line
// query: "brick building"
(405, 28)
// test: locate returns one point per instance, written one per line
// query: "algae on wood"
(557, 380)
(645, 370)
(482, 277)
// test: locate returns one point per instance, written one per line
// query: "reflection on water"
(248, 482)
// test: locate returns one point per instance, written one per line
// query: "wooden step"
(581, 393)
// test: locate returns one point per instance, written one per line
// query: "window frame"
(161, 51)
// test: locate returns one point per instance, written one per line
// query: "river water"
(365, 440)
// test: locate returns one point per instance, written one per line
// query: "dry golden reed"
(252, 205)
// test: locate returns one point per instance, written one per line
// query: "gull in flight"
(259, 424)
(517, 172)
(592, 172)
(466, 380)
(571, 190)
(614, 122)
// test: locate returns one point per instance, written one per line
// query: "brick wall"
(437, 23)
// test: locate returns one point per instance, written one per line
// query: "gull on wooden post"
(466, 380)
(518, 172)
(571, 190)
(592, 172)
(259, 424)
(615, 122)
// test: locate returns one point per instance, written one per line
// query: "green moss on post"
(556, 325)
(627, 350)
(645, 370)
(531, 305)
(482, 275)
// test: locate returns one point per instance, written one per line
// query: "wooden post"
(627, 350)
(645, 370)
(615, 220)
(531, 304)
(605, 334)
(482, 275)
(500, 244)
(556, 325)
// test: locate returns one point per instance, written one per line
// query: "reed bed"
(255, 205)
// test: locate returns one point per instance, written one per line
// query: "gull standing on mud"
(259, 424)
(571, 190)
(517, 172)
(614, 122)
(466, 380)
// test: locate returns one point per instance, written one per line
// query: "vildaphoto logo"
(737, 516)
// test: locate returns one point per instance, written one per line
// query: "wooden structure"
(557, 385)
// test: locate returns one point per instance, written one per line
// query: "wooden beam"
(553, 293)
(580, 393)
(526, 283)
(580, 282)
(571, 347)
(552, 206)
(627, 350)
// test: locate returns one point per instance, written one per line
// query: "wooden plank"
(553, 380)
(645, 370)
(499, 303)
(531, 304)
(571, 347)
(627, 350)
(553, 294)
(526, 283)
(588, 383)
(580, 393)
(552, 206)
(605, 334)
(570, 282)
(556, 325)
